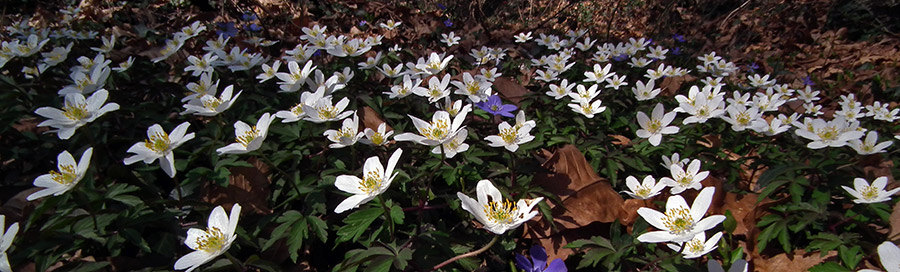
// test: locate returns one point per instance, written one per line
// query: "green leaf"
(730, 223)
(397, 214)
(319, 227)
(380, 264)
(356, 224)
(299, 232)
(828, 267)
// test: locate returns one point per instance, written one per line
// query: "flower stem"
(512, 169)
(238, 266)
(283, 173)
(387, 214)
(468, 254)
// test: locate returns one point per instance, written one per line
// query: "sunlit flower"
(646, 189)
(437, 89)
(599, 74)
(248, 138)
(454, 146)
(86, 81)
(653, 128)
(209, 105)
(587, 109)
(69, 174)
(615, 82)
(324, 111)
(441, 129)
(296, 112)
(76, 112)
(475, 89)
(680, 222)
(159, 145)
(376, 179)
(212, 242)
(584, 95)
(865, 193)
(647, 91)
(496, 214)
(741, 117)
(668, 162)
(404, 89)
(834, 133)
(377, 137)
(292, 81)
(6, 239)
(523, 37)
(697, 246)
(390, 24)
(510, 137)
(561, 90)
(546, 76)
(435, 64)
(348, 134)
(370, 62)
(391, 72)
(870, 145)
(683, 179)
(450, 39)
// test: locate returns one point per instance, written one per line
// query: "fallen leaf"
(620, 140)
(248, 186)
(371, 119)
(799, 260)
(511, 90)
(587, 201)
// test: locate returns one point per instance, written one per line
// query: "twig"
(469, 254)
(727, 18)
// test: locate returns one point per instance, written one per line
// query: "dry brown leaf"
(587, 201)
(248, 186)
(620, 139)
(371, 119)
(799, 260)
(511, 90)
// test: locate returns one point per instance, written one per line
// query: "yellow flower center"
(438, 130)
(371, 182)
(501, 212)
(653, 126)
(695, 246)
(377, 138)
(869, 192)
(65, 176)
(211, 240)
(684, 179)
(678, 220)
(212, 103)
(327, 112)
(248, 136)
(828, 134)
(76, 112)
(509, 135)
(743, 119)
(297, 109)
(158, 142)
(642, 191)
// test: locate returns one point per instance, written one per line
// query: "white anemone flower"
(522, 37)
(348, 134)
(70, 173)
(6, 239)
(324, 111)
(435, 64)
(653, 128)
(377, 137)
(268, 71)
(400, 91)
(496, 214)
(248, 138)
(669, 162)
(450, 39)
(390, 24)
(76, 112)
(562, 90)
(159, 145)
(510, 137)
(870, 145)
(889, 254)
(212, 242)
(588, 109)
(292, 81)
(865, 193)
(376, 179)
(437, 89)
(208, 105)
(698, 246)
(454, 146)
(439, 131)
(599, 74)
(680, 222)
(682, 179)
(645, 91)
(646, 189)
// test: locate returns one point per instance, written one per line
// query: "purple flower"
(494, 106)
(248, 16)
(317, 53)
(753, 66)
(226, 29)
(808, 81)
(448, 23)
(441, 6)
(363, 22)
(254, 27)
(678, 38)
(538, 262)
(676, 51)
(620, 57)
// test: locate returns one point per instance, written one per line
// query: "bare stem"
(468, 254)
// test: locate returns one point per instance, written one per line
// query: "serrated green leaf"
(356, 224)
